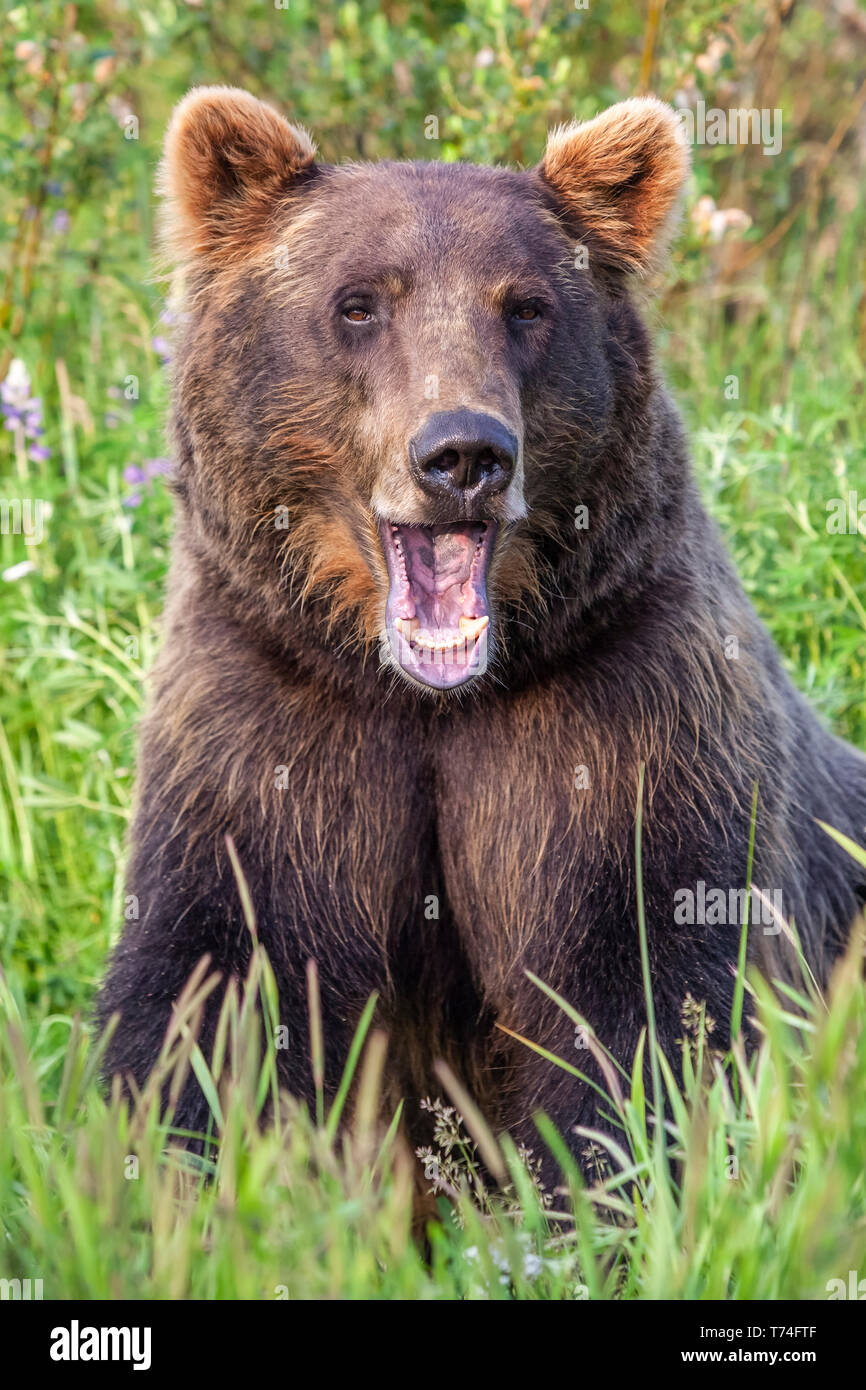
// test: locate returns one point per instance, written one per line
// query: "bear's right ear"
(228, 158)
(619, 177)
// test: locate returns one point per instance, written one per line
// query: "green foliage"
(761, 330)
(754, 1189)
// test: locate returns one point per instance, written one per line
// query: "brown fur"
(620, 176)
(279, 712)
(226, 157)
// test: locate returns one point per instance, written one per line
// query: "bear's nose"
(463, 453)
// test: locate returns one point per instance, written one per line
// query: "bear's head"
(400, 386)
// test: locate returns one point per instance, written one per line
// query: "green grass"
(754, 1189)
(769, 1200)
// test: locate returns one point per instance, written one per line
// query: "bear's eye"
(525, 313)
(356, 313)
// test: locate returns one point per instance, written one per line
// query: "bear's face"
(433, 304)
(419, 360)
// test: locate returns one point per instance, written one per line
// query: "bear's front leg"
(191, 910)
(540, 870)
(602, 978)
(327, 812)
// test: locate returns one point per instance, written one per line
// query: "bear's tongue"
(437, 613)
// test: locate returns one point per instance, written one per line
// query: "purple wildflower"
(21, 411)
(15, 393)
(154, 467)
(139, 478)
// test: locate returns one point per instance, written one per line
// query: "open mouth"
(436, 615)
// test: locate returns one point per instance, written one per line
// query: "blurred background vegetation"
(766, 287)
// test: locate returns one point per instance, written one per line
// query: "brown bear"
(442, 586)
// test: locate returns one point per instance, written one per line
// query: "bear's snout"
(463, 455)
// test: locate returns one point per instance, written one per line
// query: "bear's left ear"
(228, 159)
(619, 177)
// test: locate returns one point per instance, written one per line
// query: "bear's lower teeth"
(470, 630)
